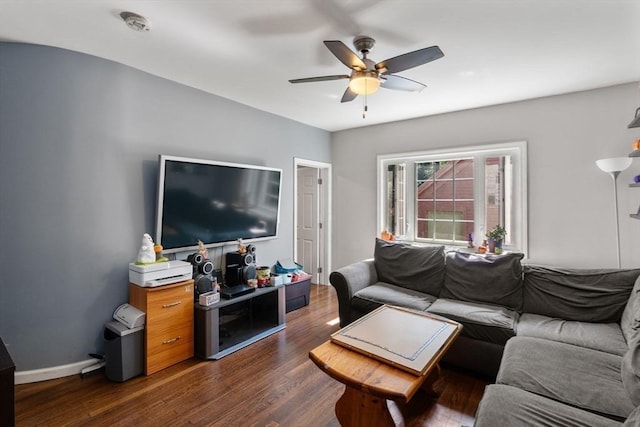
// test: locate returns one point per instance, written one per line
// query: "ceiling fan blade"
(344, 54)
(409, 60)
(319, 79)
(349, 95)
(390, 81)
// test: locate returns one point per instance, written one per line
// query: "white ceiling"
(496, 51)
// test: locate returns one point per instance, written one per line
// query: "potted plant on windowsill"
(495, 237)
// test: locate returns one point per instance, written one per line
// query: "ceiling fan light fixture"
(364, 82)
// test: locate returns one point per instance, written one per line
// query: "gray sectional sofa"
(562, 344)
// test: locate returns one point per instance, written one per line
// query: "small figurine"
(470, 241)
(385, 235)
(202, 250)
(146, 253)
(242, 249)
(482, 249)
(159, 256)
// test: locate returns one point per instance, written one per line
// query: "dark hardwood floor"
(270, 383)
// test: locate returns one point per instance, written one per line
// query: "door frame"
(324, 200)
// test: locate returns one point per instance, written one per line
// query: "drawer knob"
(173, 304)
(171, 341)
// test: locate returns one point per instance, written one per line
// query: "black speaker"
(201, 265)
(203, 272)
(202, 284)
(195, 258)
(240, 268)
(233, 275)
(249, 272)
(246, 258)
(205, 267)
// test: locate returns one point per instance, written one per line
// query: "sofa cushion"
(503, 405)
(630, 321)
(633, 420)
(485, 322)
(373, 296)
(598, 336)
(481, 357)
(574, 294)
(493, 279)
(420, 268)
(578, 376)
(631, 373)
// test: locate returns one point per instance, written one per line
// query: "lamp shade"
(614, 164)
(364, 82)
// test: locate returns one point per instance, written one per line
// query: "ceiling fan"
(366, 76)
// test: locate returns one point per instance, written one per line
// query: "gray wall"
(571, 220)
(79, 142)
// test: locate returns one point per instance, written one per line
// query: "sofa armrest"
(347, 281)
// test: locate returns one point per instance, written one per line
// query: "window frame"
(516, 149)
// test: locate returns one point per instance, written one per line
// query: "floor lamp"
(613, 167)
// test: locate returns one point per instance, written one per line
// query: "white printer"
(160, 273)
(129, 316)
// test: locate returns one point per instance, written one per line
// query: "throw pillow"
(420, 268)
(585, 295)
(492, 279)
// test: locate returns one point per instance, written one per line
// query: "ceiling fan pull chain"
(364, 100)
(366, 108)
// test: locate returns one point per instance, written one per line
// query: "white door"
(307, 220)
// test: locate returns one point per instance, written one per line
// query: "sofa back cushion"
(420, 268)
(630, 321)
(493, 279)
(586, 295)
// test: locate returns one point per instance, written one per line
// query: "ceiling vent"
(136, 22)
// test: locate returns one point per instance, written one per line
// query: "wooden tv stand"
(229, 325)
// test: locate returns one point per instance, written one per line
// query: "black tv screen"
(215, 202)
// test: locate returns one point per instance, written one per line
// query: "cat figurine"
(146, 254)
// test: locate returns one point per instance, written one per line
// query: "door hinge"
(319, 181)
(319, 269)
(320, 225)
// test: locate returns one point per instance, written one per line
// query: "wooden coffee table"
(373, 386)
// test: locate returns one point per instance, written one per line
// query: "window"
(448, 196)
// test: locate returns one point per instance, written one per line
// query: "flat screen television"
(215, 202)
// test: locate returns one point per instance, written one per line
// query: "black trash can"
(123, 351)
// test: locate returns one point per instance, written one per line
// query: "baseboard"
(44, 374)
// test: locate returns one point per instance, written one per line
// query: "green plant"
(497, 233)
